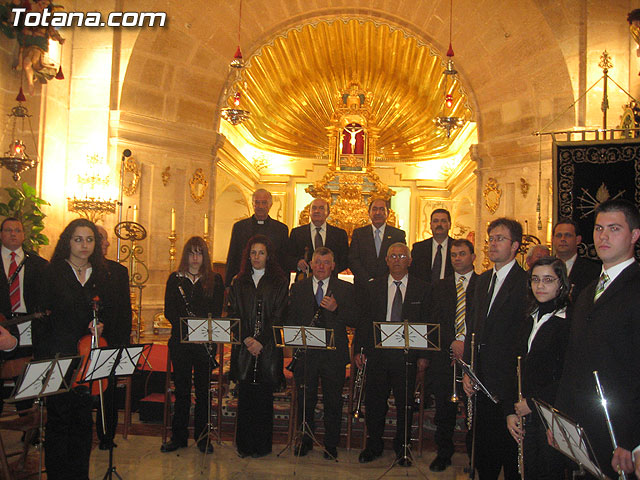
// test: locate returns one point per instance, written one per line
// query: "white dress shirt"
(391, 292)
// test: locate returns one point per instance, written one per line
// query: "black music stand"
(208, 331)
(569, 438)
(316, 338)
(43, 378)
(406, 336)
(109, 363)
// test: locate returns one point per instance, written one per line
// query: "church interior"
(430, 104)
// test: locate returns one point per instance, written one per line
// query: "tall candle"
(206, 224)
(135, 214)
(173, 220)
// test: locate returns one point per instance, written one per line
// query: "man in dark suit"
(498, 320)
(370, 243)
(433, 263)
(581, 271)
(452, 300)
(333, 301)
(116, 333)
(318, 233)
(260, 223)
(395, 297)
(19, 298)
(605, 336)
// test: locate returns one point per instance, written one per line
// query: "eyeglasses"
(546, 279)
(395, 256)
(498, 239)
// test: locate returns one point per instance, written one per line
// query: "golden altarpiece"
(351, 180)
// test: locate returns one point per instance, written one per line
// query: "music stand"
(43, 378)
(109, 363)
(316, 338)
(477, 384)
(208, 331)
(406, 336)
(569, 438)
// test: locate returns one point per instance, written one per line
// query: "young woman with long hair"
(257, 294)
(194, 290)
(545, 344)
(73, 284)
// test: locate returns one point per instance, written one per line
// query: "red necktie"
(14, 288)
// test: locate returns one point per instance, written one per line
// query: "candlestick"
(173, 220)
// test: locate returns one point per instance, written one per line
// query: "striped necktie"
(14, 288)
(460, 307)
(602, 282)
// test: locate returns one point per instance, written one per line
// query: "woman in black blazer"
(545, 343)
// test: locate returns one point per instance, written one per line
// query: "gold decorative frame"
(166, 176)
(198, 185)
(492, 194)
(131, 166)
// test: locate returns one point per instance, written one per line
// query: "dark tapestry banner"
(586, 173)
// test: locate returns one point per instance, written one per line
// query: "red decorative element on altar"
(450, 51)
(60, 75)
(21, 97)
(238, 54)
(353, 139)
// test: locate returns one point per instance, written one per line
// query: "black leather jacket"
(242, 304)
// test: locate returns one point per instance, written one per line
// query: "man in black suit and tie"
(318, 233)
(333, 301)
(20, 297)
(581, 271)
(116, 333)
(605, 336)
(432, 257)
(395, 297)
(452, 300)
(370, 243)
(498, 320)
(260, 223)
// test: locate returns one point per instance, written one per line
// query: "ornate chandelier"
(16, 158)
(94, 183)
(235, 115)
(444, 121)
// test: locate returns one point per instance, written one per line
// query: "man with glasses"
(369, 244)
(395, 297)
(605, 337)
(581, 271)
(498, 321)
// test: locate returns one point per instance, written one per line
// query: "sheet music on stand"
(210, 330)
(569, 438)
(406, 335)
(124, 360)
(304, 337)
(42, 378)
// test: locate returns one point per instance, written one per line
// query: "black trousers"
(68, 435)
(541, 461)
(495, 447)
(446, 411)
(110, 413)
(319, 367)
(187, 358)
(386, 374)
(254, 434)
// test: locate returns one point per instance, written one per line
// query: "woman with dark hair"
(257, 293)
(546, 342)
(194, 290)
(72, 284)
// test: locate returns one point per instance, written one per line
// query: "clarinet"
(187, 306)
(298, 352)
(257, 330)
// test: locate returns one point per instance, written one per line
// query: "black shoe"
(172, 445)
(303, 449)
(205, 447)
(106, 444)
(331, 453)
(242, 454)
(439, 464)
(260, 455)
(367, 456)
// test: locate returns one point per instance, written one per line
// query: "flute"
(520, 446)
